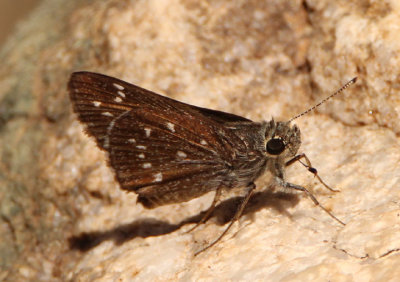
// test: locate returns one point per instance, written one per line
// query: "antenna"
(350, 82)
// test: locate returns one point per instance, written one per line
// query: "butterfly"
(169, 152)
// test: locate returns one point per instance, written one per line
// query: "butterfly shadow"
(278, 201)
(148, 227)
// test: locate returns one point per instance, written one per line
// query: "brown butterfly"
(169, 152)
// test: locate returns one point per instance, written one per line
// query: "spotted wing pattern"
(164, 150)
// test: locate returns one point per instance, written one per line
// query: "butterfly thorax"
(254, 157)
(248, 161)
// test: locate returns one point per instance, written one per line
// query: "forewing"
(155, 144)
(219, 116)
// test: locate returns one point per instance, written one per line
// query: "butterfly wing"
(164, 150)
(219, 116)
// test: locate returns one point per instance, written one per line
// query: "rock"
(63, 215)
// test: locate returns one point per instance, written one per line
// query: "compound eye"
(275, 146)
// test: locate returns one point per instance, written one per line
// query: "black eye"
(275, 146)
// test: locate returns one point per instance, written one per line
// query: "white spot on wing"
(107, 138)
(141, 147)
(158, 177)
(107, 114)
(119, 87)
(111, 126)
(118, 99)
(122, 94)
(96, 103)
(106, 143)
(148, 131)
(147, 165)
(141, 156)
(203, 142)
(171, 126)
(132, 140)
(181, 154)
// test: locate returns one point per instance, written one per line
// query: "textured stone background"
(10, 14)
(64, 217)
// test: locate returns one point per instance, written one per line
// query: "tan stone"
(252, 58)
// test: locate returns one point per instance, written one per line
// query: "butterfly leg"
(237, 215)
(209, 211)
(310, 169)
(285, 184)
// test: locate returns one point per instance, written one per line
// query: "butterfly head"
(281, 139)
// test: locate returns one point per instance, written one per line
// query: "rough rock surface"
(63, 215)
